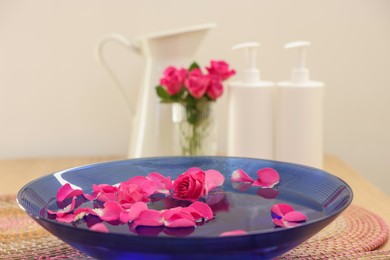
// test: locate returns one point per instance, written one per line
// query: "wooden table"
(17, 172)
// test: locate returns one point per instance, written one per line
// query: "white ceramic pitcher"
(151, 133)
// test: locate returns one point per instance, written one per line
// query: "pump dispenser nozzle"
(250, 73)
(299, 73)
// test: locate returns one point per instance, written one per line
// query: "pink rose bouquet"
(195, 90)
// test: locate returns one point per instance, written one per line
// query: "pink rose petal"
(203, 209)
(164, 184)
(268, 178)
(213, 179)
(179, 219)
(240, 175)
(68, 218)
(279, 210)
(77, 215)
(278, 222)
(102, 192)
(66, 191)
(64, 211)
(111, 211)
(99, 227)
(237, 232)
(149, 217)
(294, 216)
(133, 213)
(283, 223)
(196, 215)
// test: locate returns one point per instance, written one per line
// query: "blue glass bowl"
(318, 194)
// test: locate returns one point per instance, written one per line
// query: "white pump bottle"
(299, 115)
(250, 124)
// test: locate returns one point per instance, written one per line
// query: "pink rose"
(173, 79)
(215, 88)
(220, 69)
(190, 185)
(197, 83)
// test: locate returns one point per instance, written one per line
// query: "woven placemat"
(353, 235)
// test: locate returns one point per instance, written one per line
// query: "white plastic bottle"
(299, 115)
(250, 124)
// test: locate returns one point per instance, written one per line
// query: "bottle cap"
(250, 73)
(299, 73)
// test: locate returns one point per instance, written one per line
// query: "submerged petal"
(237, 232)
(240, 175)
(99, 227)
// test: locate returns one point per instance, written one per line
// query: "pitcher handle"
(100, 58)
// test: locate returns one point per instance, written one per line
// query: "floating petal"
(240, 175)
(134, 211)
(149, 217)
(213, 179)
(294, 216)
(64, 211)
(268, 178)
(279, 210)
(66, 191)
(164, 184)
(203, 209)
(179, 219)
(111, 211)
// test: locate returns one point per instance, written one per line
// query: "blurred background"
(56, 100)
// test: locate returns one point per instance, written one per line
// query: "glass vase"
(194, 129)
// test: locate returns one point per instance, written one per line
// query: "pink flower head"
(268, 178)
(215, 88)
(197, 83)
(190, 185)
(220, 69)
(173, 79)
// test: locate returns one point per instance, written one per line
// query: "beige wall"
(56, 100)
